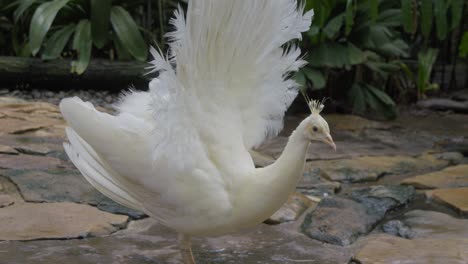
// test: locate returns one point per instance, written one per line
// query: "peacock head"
(316, 127)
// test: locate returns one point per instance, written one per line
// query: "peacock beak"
(329, 141)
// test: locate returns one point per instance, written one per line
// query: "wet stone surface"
(145, 241)
(63, 185)
(432, 224)
(355, 202)
(341, 221)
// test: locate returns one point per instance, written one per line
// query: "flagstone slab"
(7, 150)
(7, 187)
(371, 168)
(30, 221)
(387, 249)
(340, 221)
(296, 205)
(29, 117)
(146, 241)
(64, 185)
(450, 177)
(6, 200)
(431, 224)
(456, 198)
(28, 162)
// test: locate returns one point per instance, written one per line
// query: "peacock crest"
(315, 106)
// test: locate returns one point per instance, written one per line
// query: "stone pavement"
(393, 192)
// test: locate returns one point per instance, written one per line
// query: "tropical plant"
(435, 23)
(422, 79)
(11, 37)
(84, 24)
(82, 28)
(355, 45)
(423, 15)
(464, 45)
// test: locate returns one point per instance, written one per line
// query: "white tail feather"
(230, 53)
(96, 171)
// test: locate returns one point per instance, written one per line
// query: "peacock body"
(180, 152)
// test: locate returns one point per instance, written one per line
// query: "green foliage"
(127, 32)
(408, 12)
(81, 28)
(41, 22)
(359, 38)
(57, 41)
(427, 17)
(440, 12)
(445, 14)
(464, 45)
(422, 79)
(82, 43)
(426, 60)
(355, 47)
(90, 23)
(100, 17)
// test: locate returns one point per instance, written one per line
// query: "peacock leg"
(185, 249)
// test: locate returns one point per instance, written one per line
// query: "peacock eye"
(315, 129)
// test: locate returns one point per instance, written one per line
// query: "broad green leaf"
(382, 68)
(333, 26)
(122, 52)
(407, 12)
(23, 6)
(390, 18)
(380, 101)
(440, 12)
(463, 49)
(300, 79)
(335, 55)
(56, 43)
(349, 16)
(328, 55)
(427, 16)
(373, 10)
(313, 31)
(41, 22)
(355, 55)
(456, 8)
(396, 48)
(316, 77)
(100, 21)
(128, 33)
(383, 97)
(377, 37)
(358, 99)
(322, 10)
(82, 43)
(4, 7)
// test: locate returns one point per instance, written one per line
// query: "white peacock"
(180, 152)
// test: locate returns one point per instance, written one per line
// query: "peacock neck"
(269, 188)
(288, 168)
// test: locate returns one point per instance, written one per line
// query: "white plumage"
(180, 151)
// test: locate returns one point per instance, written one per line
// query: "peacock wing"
(115, 154)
